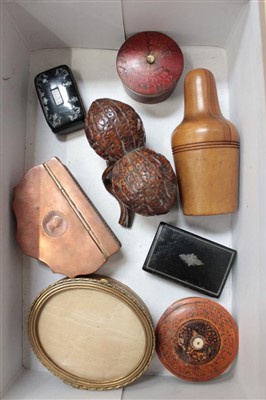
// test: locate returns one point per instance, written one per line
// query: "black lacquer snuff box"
(189, 259)
(60, 100)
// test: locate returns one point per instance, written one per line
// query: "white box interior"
(225, 37)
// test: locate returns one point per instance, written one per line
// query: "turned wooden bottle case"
(206, 150)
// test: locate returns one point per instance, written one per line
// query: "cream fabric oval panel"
(91, 334)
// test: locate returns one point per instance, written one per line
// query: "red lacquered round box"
(149, 64)
(196, 339)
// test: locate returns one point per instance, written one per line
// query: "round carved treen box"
(196, 339)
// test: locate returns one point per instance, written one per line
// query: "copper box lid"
(196, 339)
(58, 224)
(150, 64)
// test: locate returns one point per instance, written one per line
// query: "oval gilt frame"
(107, 286)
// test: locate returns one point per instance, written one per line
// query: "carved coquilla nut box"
(142, 180)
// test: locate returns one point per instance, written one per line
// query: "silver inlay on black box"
(60, 100)
(190, 260)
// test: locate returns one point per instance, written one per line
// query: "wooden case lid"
(196, 339)
(58, 224)
(150, 65)
(203, 125)
(92, 332)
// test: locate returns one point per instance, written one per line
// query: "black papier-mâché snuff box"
(60, 100)
(189, 260)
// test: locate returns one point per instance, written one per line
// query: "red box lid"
(150, 65)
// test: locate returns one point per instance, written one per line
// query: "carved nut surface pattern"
(145, 182)
(113, 129)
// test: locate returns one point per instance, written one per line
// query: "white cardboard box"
(227, 37)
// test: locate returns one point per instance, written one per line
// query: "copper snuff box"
(196, 339)
(149, 65)
(92, 332)
(58, 224)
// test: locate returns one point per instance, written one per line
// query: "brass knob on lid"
(150, 59)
